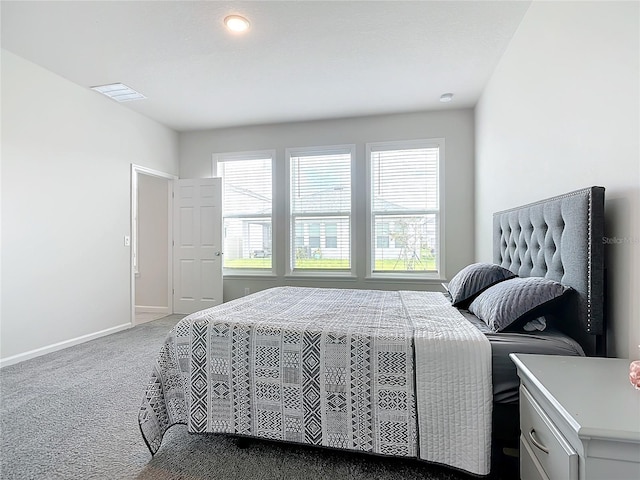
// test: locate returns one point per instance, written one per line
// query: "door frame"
(135, 171)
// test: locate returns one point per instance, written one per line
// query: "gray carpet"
(73, 414)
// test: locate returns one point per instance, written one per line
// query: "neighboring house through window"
(320, 208)
(247, 205)
(404, 207)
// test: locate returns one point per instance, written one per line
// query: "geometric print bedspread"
(326, 367)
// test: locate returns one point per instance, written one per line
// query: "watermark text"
(621, 240)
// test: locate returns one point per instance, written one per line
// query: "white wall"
(456, 126)
(152, 292)
(66, 155)
(561, 113)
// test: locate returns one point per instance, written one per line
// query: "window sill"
(405, 279)
(248, 274)
(322, 276)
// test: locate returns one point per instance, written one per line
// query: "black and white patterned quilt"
(381, 372)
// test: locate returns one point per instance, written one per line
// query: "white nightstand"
(579, 418)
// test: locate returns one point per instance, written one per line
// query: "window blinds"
(404, 209)
(246, 210)
(320, 211)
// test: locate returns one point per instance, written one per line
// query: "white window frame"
(290, 235)
(242, 156)
(439, 274)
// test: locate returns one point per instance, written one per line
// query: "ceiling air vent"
(119, 92)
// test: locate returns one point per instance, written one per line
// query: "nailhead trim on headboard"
(589, 262)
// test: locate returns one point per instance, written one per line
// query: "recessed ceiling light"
(236, 23)
(119, 92)
(446, 97)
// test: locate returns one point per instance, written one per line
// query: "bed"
(414, 374)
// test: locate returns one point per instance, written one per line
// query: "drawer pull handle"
(536, 443)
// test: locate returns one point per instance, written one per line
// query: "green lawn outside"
(248, 263)
(393, 265)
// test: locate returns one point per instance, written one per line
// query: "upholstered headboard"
(561, 238)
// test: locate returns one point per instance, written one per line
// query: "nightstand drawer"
(530, 468)
(550, 448)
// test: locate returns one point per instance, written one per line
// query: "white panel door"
(197, 248)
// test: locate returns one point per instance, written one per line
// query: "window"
(246, 209)
(331, 235)
(405, 207)
(314, 235)
(299, 235)
(382, 235)
(320, 208)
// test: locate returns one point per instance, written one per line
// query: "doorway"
(151, 250)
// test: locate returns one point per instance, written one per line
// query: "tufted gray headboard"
(561, 238)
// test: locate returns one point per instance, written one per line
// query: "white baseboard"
(21, 357)
(151, 309)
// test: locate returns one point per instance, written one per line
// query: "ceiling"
(300, 60)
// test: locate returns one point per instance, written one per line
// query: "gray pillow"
(474, 279)
(516, 301)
